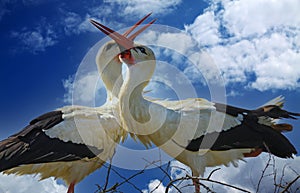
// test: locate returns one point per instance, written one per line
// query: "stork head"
(140, 61)
(137, 54)
(107, 59)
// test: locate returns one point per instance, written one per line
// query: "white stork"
(72, 141)
(194, 133)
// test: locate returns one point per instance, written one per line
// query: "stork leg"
(71, 188)
(196, 183)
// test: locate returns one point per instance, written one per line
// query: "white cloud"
(84, 89)
(245, 176)
(249, 45)
(278, 72)
(142, 7)
(244, 18)
(37, 39)
(252, 46)
(74, 23)
(109, 12)
(29, 183)
(155, 186)
(177, 170)
(205, 29)
(254, 43)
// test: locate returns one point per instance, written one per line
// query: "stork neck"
(133, 86)
(110, 69)
(134, 109)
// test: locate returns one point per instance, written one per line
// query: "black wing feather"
(32, 145)
(249, 134)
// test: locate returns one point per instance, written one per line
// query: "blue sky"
(255, 45)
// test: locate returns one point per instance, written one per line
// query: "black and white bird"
(73, 141)
(197, 132)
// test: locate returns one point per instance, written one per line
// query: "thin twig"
(186, 171)
(211, 173)
(274, 173)
(99, 188)
(159, 166)
(290, 184)
(201, 184)
(294, 170)
(224, 184)
(203, 179)
(134, 175)
(281, 178)
(107, 176)
(118, 185)
(163, 178)
(264, 170)
(126, 180)
(173, 181)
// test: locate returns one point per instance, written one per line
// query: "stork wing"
(250, 132)
(221, 127)
(56, 136)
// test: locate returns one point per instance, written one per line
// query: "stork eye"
(143, 50)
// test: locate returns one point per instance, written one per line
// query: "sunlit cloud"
(252, 45)
(142, 7)
(29, 183)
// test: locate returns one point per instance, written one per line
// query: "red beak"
(122, 40)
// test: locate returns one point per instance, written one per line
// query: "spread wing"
(54, 137)
(221, 127)
(249, 131)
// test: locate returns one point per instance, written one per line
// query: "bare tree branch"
(125, 180)
(265, 169)
(107, 175)
(177, 184)
(171, 183)
(211, 173)
(225, 184)
(165, 171)
(290, 184)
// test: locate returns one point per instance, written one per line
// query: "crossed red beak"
(123, 40)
